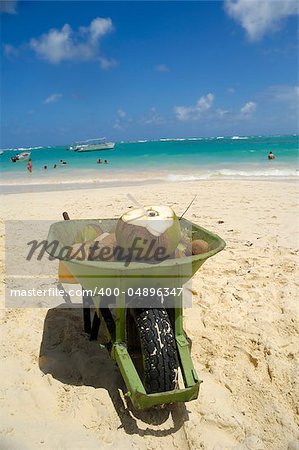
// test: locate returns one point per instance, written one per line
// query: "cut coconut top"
(156, 219)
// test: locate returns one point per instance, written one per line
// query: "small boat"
(21, 157)
(1, 152)
(92, 145)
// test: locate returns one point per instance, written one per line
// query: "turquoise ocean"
(170, 159)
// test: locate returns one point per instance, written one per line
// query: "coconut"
(106, 241)
(92, 250)
(88, 233)
(80, 251)
(199, 246)
(109, 240)
(148, 232)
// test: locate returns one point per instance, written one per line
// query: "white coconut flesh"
(156, 219)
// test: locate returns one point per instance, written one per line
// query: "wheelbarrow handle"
(65, 215)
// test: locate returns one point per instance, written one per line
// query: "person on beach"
(271, 155)
(29, 166)
(99, 161)
(55, 166)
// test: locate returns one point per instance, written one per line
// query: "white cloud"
(117, 125)
(185, 113)
(222, 112)
(285, 96)
(258, 17)
(161, 68)
(8, 6)
(53, 98)
(281, 93)
(10, 51)
(121, 113)
(68, 45)
(106, 63)
(153, 118)
(248, 109)
(205, 103)
(59, 45)
(98, 27)
(122, 120)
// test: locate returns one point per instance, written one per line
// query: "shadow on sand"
(67, 354)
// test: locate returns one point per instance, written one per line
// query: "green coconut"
(88, 233)
(154, 230)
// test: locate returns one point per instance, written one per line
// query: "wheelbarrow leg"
(95, 327)
(86, 313)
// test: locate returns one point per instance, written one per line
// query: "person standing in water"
(271, 155)
(29, 165)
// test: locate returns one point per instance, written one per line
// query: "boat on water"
(21, 157)
(92, 145)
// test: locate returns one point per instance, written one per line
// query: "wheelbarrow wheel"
(157, 344)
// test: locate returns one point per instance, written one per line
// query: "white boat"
(1, 152)
(92, 145)
(21, 157)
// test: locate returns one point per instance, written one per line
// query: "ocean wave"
(173, 139)
(230, 173)
(239, 137)
(222, 174)
(26, 149)
(182, 177)
(282, 173)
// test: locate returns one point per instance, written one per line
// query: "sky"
(145, 70)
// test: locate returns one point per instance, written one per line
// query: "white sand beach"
(243, 324)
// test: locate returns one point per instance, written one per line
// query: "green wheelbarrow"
(140, 307)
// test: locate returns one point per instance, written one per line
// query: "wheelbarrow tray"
(103, 274)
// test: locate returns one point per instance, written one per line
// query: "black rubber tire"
(158, 348)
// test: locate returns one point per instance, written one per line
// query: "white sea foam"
(238, 174)
(149, 177)
(274, 173)
(194, 139)
(240, 137)
(26, 149)
(182, 177)
(7, 149)
(172, 139)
